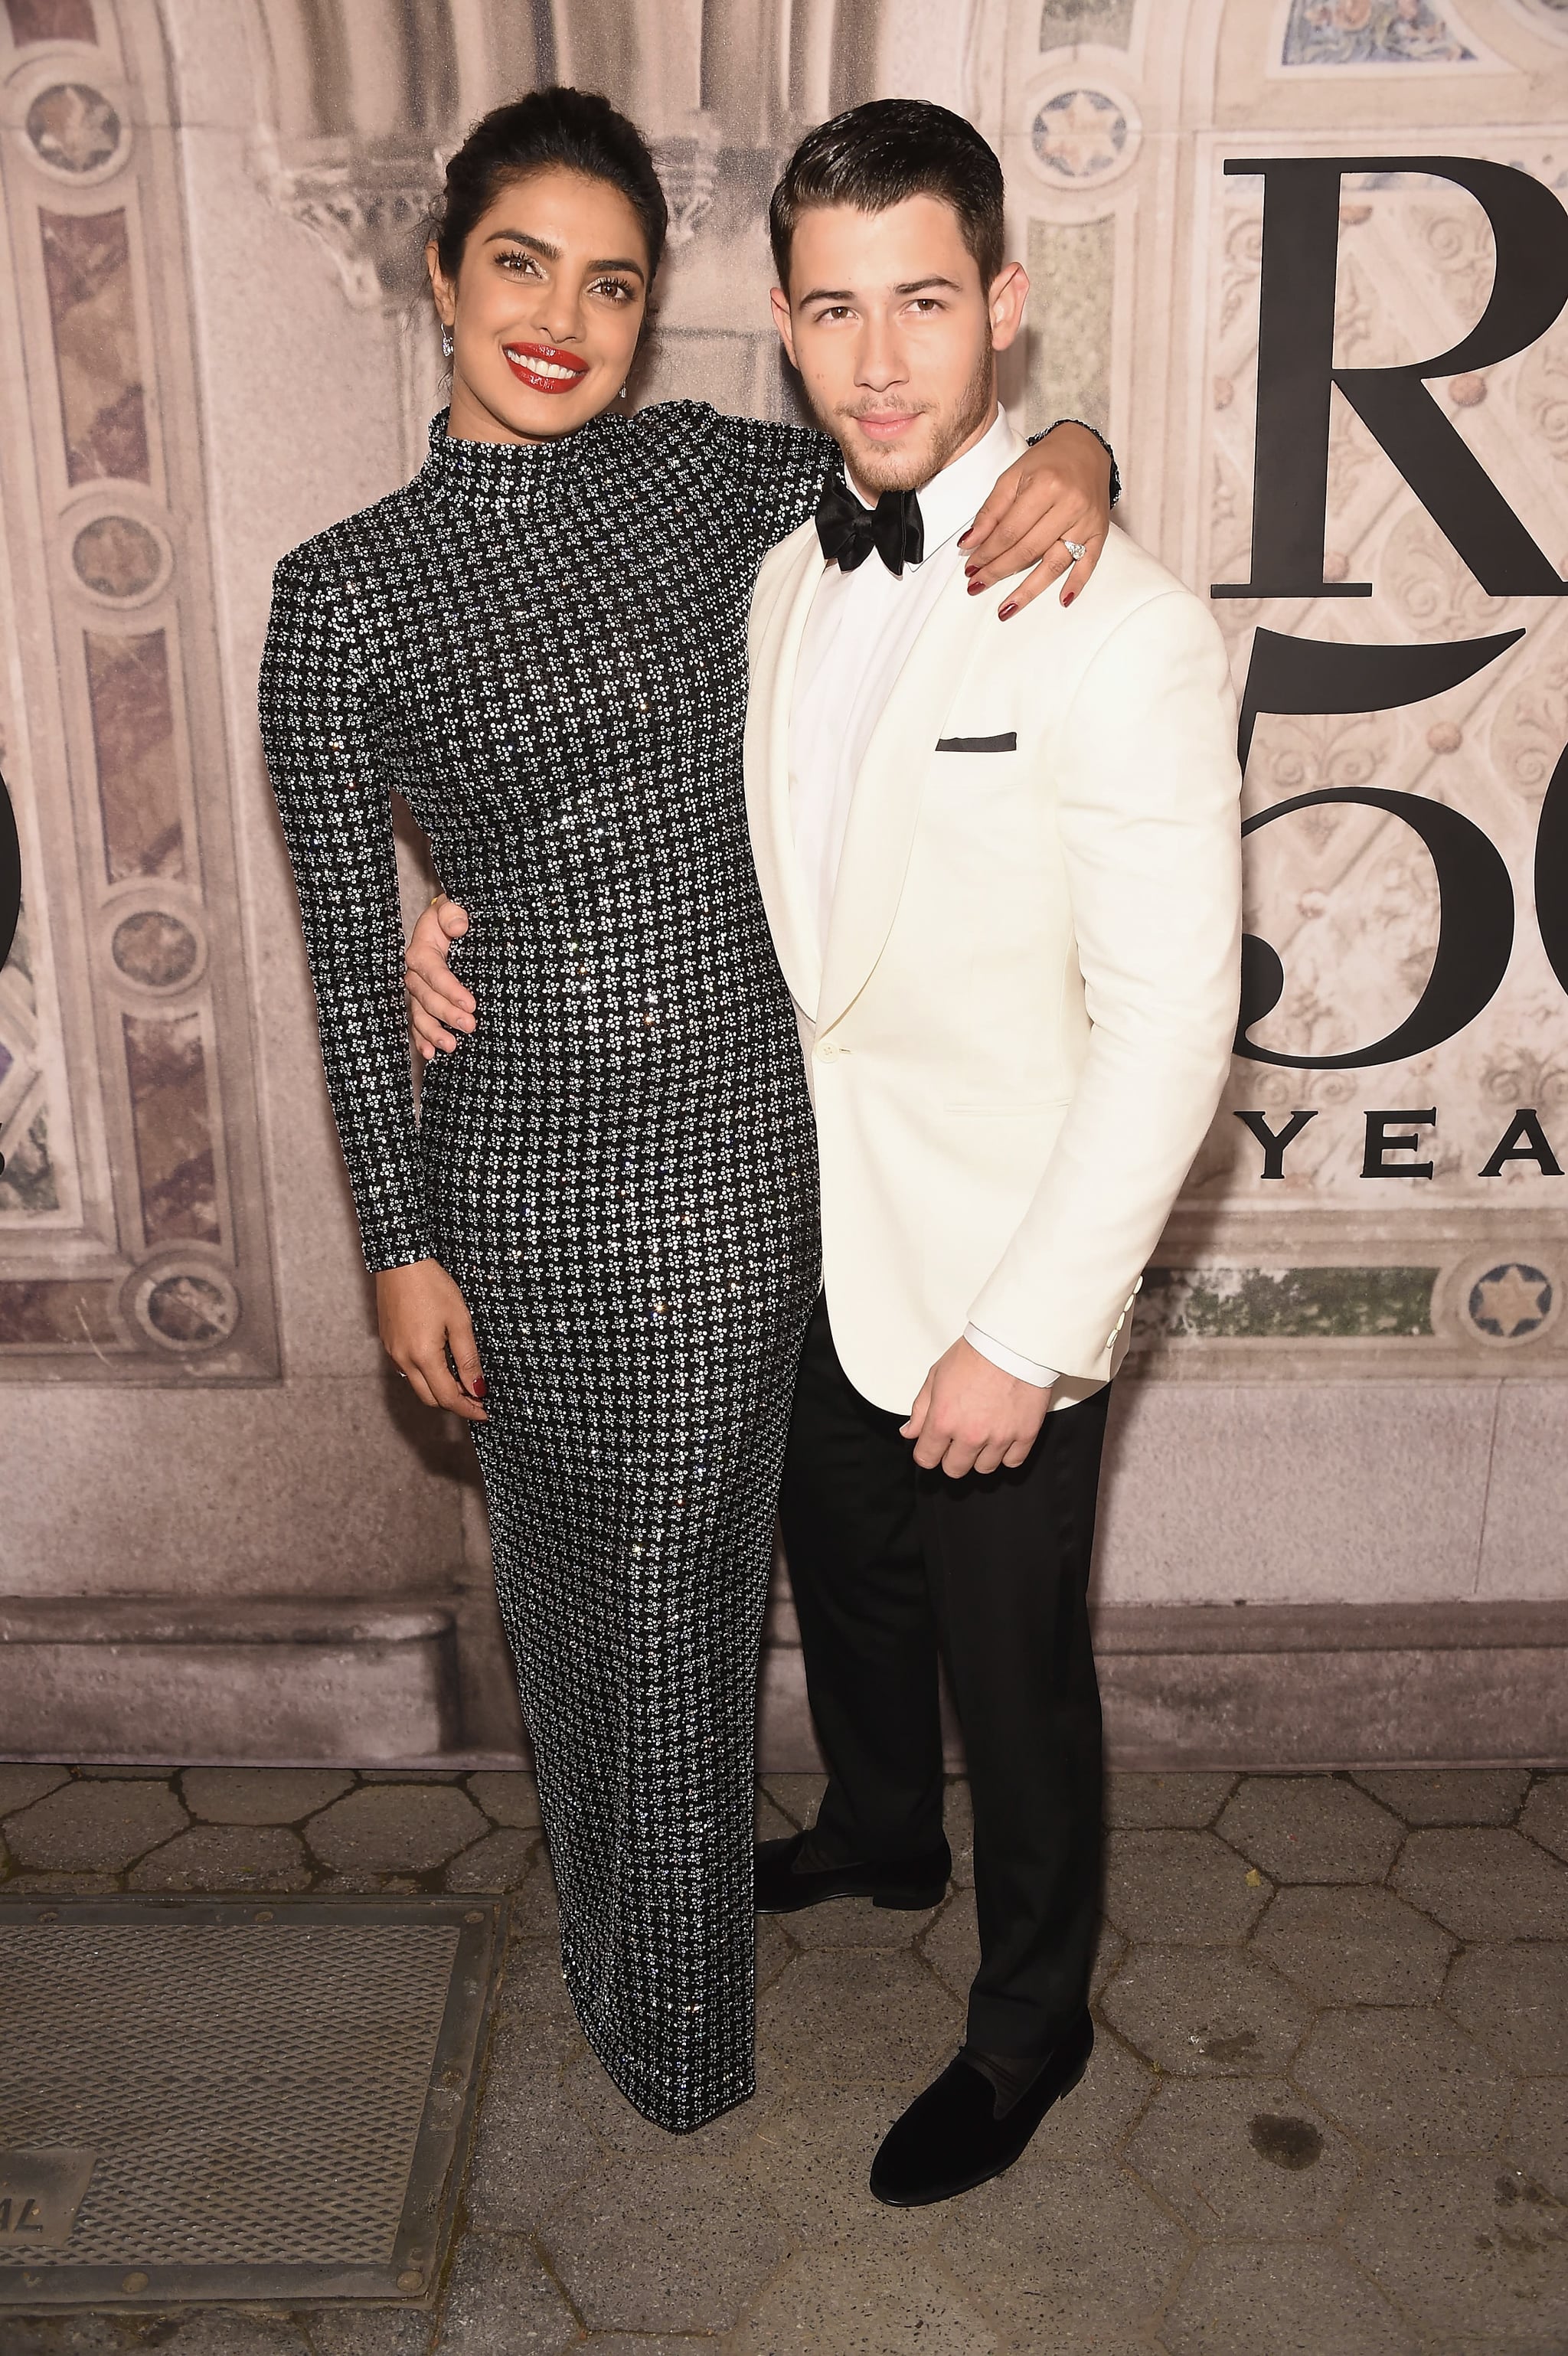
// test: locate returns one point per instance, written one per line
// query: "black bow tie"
(848, 530)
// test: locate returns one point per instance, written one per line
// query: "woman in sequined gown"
(540, 644)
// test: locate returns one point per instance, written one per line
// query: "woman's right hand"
(437, 1005)
(422, 1315)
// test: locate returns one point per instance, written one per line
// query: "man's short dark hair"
(876, 156)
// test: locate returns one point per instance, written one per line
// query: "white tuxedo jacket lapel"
(885, 808)
(776, 634)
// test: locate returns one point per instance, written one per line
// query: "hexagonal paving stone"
(370, 2331)
(1545, 1816)
(1111, 1951)
(61, 1885)
(531, 2145)
(799, 1796)
(78, 2334)
(810, 2160)
(94, 1826)
(501, 2302)
(1483, 1884)
(660, 2343)
(509, 1796)
(1536, 2136)
(1202, 2013)
(533, 1994)
(1447, 1795)
(1180, 1885)
(774, 1950)
(1464, 2245)
(1266, 2301)
(1355, 1946)
(1164, 1802)
(502, 1861)
(846, 2014)
(828, 2300)
(770, 1822)
(21, 1784)
(1243, 2156)
(663, 2244)
(388, 1826)
(261, 1796)
(1515, 1999)
(1311, 1828)
(1053, 2248)
(225, 1857)
(1404, 2079)
(367, 1885)
(534, 1912)
(1090, 2122)
(228, 2332)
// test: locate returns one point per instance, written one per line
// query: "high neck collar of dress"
(517, 473)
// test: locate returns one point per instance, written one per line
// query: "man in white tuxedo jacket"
(1002, 871)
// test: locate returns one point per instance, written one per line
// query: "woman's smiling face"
(546, 310)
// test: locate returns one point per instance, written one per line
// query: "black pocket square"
(1005, 743)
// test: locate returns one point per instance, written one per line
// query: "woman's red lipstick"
(517, 356)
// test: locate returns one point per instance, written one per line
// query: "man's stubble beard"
(905, 470)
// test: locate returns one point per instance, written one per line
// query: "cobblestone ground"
(1327, 2114)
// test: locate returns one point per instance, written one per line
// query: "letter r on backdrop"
(1296, 375)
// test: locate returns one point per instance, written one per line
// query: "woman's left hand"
(1058, 490)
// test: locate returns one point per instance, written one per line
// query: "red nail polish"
(476, 1387)
(1069, 596)
(977, 588)
(965, 536)
(1006, 612)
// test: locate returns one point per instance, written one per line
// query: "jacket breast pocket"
(1008, 742)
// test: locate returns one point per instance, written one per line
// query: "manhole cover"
(202, 2098)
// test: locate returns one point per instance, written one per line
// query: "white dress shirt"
(857, 634)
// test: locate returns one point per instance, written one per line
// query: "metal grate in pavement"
(222, 2099)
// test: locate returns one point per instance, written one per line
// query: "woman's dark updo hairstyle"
(573, 128)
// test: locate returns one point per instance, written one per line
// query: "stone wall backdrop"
(1333, 1532)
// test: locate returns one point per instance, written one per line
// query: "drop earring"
(621, 394)
(447, 345)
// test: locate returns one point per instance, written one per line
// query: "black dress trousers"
(890, 1565)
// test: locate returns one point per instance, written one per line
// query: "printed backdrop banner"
(1306, 261)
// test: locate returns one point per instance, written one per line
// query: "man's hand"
(437, 1005)
(422, 1315)
(970, 1417)
(1060, 490)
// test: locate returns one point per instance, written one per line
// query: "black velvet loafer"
(950, 2138)
(910, 1883)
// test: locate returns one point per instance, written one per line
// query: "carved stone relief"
(132, 1239)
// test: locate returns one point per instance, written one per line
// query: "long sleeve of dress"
(338, 827)
(766, 476)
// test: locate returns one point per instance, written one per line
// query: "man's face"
(894, 335)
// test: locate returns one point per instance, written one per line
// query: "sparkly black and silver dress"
(543, 650)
